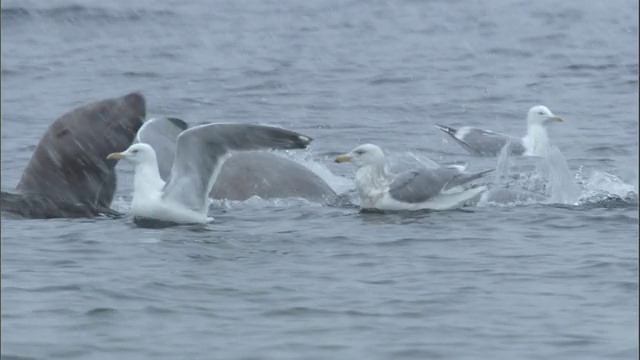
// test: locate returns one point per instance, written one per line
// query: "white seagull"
(200, 154)
(488, 143)
(436, 189)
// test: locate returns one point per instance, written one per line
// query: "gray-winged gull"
(200, 153)
(488, 143)
(245, 174)
(435, 189)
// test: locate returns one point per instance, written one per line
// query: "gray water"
(288, 279)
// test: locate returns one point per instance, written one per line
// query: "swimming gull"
(200, 154)
(245, 174)
(436, 189)
(488, 143)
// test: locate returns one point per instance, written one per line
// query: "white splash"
(502, 167)
(553, 178)
(561, 185)
(121, 204)
(256, 202)
(604, 183)
(423, 161)
(338, 183)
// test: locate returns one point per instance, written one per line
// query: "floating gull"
(245, 174)
(489, 143)
(435, 189)
(200, 154)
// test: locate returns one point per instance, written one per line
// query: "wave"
(608, 150)
(597, 67)
(80, 14)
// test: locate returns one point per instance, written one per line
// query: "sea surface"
(289, 279)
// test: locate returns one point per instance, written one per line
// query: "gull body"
(201, 152)
(489, 143)
(436, 189)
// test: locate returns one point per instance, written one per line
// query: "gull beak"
(555, 118)
(115, 156)
(343, 158)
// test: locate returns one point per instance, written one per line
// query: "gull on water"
(488, 143)
(200, 154)
(436, 189)
(244, 175)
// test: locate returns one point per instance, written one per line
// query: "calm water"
(290, 280)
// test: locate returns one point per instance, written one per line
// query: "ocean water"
(288, 279)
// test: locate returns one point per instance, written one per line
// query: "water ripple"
(286, 279)
(81, 14)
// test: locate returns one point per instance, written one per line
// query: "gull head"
(363, 155)
(139, 153)
(541, 115)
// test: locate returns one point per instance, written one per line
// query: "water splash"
(502, 167)
(256, 202)
(552, 182)
(121, 204)
(560, 184)
(423, 161)
(602, 185)
(338, 183)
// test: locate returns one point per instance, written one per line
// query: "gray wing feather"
(201, 152)
(452, 132)
(415, 186)
(162, 134)
(463, 178)
(484, 142)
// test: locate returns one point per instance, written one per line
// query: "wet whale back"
(268, 176)
(69, 164)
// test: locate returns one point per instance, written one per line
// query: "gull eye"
(134, 152)
(540, 113)
(359, 152)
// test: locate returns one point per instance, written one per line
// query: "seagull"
(200, 153)
(416, 189)
(488, 143)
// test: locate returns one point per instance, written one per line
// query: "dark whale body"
(68, 174)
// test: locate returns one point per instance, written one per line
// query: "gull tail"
(454, 200)
(466, 178)
(479, 174)
(459, 167)
(277, 138)
(449, 130)
(245, 137)
(454, 135)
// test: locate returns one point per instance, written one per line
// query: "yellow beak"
(115, 156)
(556, 118)
(343, 158)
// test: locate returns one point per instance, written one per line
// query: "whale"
(68, 174)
